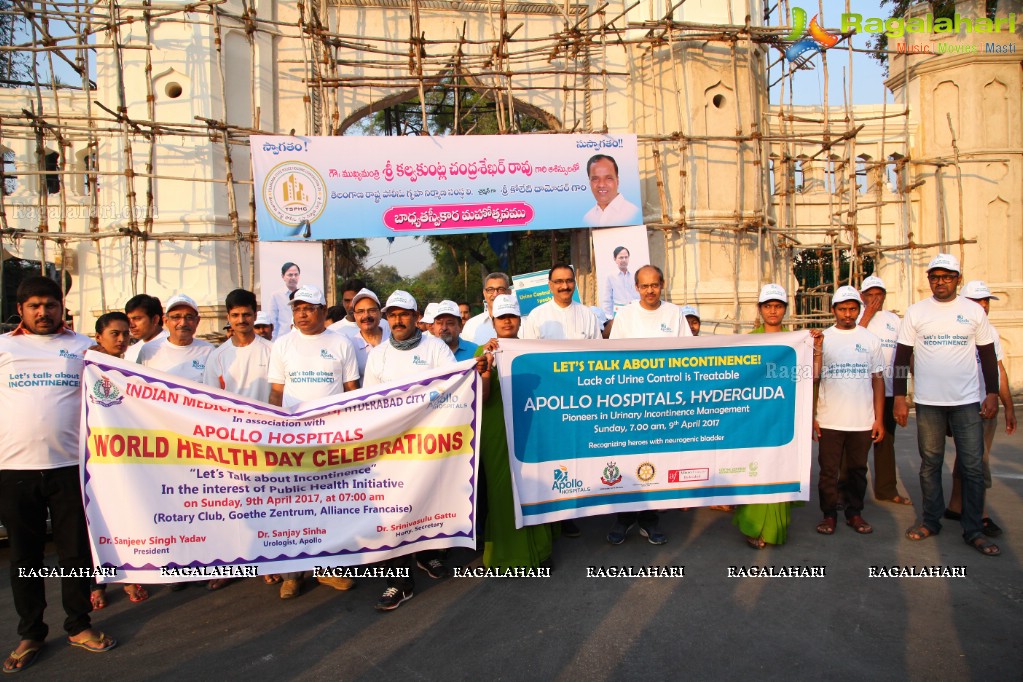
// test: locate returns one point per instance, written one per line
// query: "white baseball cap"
(307, 293)
(262, 319)
(945, 261)
(429, 313)
(846, 293)
(872, 282)
(977, 289)
(365, 293)
(447, 307)
(773, 292)
(506, 304)
(599, 313)
(401, 299)
(688, 310)
(179, 300)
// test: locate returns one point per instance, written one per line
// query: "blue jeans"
(933, 422)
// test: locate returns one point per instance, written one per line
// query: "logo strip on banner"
(346, 480)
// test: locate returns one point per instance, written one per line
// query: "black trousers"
(646, 518)
(845, 453)
(25, 497)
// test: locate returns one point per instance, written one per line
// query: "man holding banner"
(406, 352)
(41, 364)
(649, 317)
(311, 362)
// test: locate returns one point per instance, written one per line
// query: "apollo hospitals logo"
(816, 38)
(962, 320)
(294, 193)
(104, 393)
(564, 483)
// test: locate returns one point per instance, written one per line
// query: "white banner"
(179, 475)
(596, 427)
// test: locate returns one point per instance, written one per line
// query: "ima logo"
(806, 38)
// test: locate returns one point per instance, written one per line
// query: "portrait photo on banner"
(283, 268)
(618, 252)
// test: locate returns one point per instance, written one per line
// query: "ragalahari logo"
(816, 38)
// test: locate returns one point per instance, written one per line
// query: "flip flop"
(139, 594)
(899, 499)
(983, 546)
(272, 579)
(26, 658)
(755, 543)
(98, 599)
(105, 644)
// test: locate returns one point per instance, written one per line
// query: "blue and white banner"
(606, 426)
(315, 188)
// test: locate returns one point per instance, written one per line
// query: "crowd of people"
(861, 365)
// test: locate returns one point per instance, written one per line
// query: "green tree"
(15, 68)
(941, 9)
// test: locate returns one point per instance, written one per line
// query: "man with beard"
(409, 351)
(39, 468)
(447, 325)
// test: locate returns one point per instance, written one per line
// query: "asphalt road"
(706, 625)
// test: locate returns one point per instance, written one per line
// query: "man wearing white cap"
(368, 331)
(180, 354)
(425, 323)
(647, 318)
(883, 324)
(978, 292)
(692, 316)
(263, 326)
(561, 317)
(848, 411)
(409, 351)
(309, 363)
(447, 325)
(942, 335)
(480, 329)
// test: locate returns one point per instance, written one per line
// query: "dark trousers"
(885, 480)
(25, 497)
(646, 518)
(845, 453)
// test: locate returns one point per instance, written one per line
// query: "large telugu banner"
(607, 426)
(177, 474)
(348, 187)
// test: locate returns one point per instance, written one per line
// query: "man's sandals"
(920, 532)
(827, 526)
(858, 524)
(983, 546)
(16, 662)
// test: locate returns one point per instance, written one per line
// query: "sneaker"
(290, 588)
(392, 598)
(653, 535)
(434, 568)
(616, 535)
(569, 529)
(338, 583)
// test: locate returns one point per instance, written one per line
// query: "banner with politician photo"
(343, 187)
(618, 253)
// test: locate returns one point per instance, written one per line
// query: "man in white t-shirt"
(240, 364)
(370, 330)
(979, 292)
(612, 208)
(180, 354)
(619, 287)
(280, 309)
(561, 317)
(409, 351)
(884, 325)
(647, 318)
(309, 363)
(145, 323)
(41, 401)
(480, 329)
(848, 411)
(942, 336)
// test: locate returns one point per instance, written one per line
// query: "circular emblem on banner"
(646, 472)
(294, 193)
